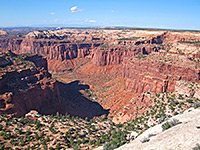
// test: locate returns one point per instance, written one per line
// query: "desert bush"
(76, 147)
(58, 146)
(45, 147)
(2, 146)
(157, 95)
(180, 96)
(145, 139)
(197, 147)
(161, 119)
(196, 105)
(189, 100)
(108, 146)
(140, 56)
(104, 46)
(170, 124)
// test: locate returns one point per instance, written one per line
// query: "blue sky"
(174, 14)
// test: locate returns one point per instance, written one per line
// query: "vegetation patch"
(170, 124)
(129, 39)
(190, 42)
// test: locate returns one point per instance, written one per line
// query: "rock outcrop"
(27, 90)
(25, 86)
(3, 32)
(55, 50)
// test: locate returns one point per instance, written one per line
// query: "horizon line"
(102, 27)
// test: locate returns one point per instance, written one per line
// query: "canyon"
(107, 67)
(88, 87)
(27, 85)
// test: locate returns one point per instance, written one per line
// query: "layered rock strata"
(149, 76)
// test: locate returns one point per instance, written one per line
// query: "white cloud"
(75, 9)
(92, 21)
(52, 13)
(56, 20)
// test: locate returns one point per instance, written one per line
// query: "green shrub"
(189, 100)
(141, 56)
(104, 46)
(2, 146)
(157, 95)
(180, 97)
(108, 146)
(58, 146)
(197, 147)
(170, 124)
(196, 105)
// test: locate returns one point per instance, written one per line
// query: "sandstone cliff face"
(12, 44)
(133, 108)
(29, 89)
(181, 36)
(25, 85)
(116, 55)
(55, 50)
(149, 76)
(54, 45)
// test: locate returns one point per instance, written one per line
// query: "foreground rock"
(183, 136)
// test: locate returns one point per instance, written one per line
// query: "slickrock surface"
(183, 136)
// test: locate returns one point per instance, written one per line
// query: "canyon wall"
(55, 50)
(26, 85)
(148, 76)
(114, 56)
(59, 47)
(7, 43)
(25, 90)
(54, 45)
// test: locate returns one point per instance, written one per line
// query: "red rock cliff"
(149, 76)
(22, 91)
(26, 85)
(114, 56)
